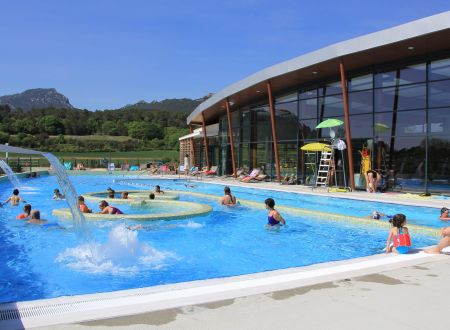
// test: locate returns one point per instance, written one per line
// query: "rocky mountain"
(38, 98)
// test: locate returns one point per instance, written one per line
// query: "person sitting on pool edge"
(228, 199)
(274, 218)
(83, 207)
(36, 218)
(105, 208)
(26, 212)
(151, 196)
(373, 178)
(444, 214)
(444, 242)
(15, 198)
(158, 190)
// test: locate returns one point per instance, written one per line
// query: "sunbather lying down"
(253, 174)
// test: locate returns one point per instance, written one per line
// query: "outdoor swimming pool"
(44, 262)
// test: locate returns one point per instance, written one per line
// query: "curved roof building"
(391, 90)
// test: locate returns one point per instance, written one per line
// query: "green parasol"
(332, 122)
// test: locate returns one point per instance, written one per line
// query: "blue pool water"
(44, 262)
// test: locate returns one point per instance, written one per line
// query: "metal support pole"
(347, 126)
(274, 131)
(230, 132)
(205, 141)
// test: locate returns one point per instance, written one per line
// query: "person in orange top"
(26, 212)
(83, 207)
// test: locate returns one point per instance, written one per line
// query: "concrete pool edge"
(87, 307)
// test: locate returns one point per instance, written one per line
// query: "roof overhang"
(426, 36)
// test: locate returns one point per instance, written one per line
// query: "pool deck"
(380, 291)
(414, 296)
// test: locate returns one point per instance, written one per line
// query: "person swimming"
(125, 195)
(35, 216)
(151, 196)
(26, 212)
(105, 208)
(57, 195)
(111, 193)
(158, 190)
(444, 214)
(274, 218)
(228, 199)
(15, 198)
(379, 215)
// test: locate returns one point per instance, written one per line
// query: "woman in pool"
(36, 218)
(274, 218)
(158, 190)
(399, 235)
(228, 199)
(444, 214)
(15, 198)
(105, 208)
(26, 212)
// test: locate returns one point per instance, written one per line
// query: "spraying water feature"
(63, 180)
(9, 173)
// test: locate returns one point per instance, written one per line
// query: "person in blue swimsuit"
(274, 218)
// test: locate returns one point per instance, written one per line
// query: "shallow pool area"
(51, 261)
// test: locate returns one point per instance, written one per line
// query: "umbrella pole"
(343, 169)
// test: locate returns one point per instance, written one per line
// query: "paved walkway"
(412, 297)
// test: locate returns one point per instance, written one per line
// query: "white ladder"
(323, 172)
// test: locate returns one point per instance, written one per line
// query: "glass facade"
(401, 113)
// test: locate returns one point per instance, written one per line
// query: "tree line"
(46, 129)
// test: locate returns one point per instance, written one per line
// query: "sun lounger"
(252, 175)
(212, 171)
(258, 178)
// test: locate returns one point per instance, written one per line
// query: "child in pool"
(158, 190)
(151, 196)
(399, 235)
(15, 198)
(57, 194)
(125, 195)
(26, 212)
(274, 217)
(83, 207)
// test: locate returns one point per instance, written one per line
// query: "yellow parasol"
(316, 146)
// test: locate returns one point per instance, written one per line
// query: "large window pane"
(360, 83)
(287, 98)
(331, 89)
(439, 121)
(308, 109)
(308, 94)
(402, 98)
(438, 164)
(405, 123)
(331, 106)
(411, 123)
(308, 129)
(439, 93)
(440, 69)
(286, 121)
(360, 102)
(287, 155)
(361, 126)
(408, 75)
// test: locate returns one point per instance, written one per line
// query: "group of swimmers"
(29, 215)
(104, 206)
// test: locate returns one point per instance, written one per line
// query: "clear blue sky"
(108, 53)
